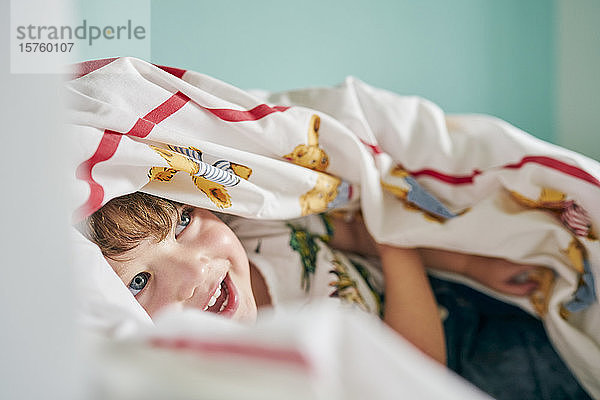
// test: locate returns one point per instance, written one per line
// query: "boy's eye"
(184, 220)
(138, 282)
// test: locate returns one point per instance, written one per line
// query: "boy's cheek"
(247, 312)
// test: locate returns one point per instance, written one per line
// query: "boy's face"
(200, 264)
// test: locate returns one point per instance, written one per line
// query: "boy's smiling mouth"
(224, 299)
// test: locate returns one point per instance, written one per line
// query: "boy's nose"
(195, 275)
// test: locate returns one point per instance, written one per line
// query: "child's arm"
(410, 307)
(496, 273)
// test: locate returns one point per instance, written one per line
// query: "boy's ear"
(241, 170)
(313, 130)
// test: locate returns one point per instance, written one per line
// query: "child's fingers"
(520, 281)
(519, 273)
(519, 289)
(506, 277)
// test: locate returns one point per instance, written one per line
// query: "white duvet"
(470, 183)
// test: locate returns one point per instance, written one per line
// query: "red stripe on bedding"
(84, 68)
(108, 146)
(451, 179)
(251, 351)
(375, 149)
(541, 160)
(142, 128)
(557, 165)
(228, 114)
(258, 112)
(549, 162)
(166, 109)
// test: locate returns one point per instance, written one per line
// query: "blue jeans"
(500, 348)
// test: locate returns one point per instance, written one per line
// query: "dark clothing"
(500, 348)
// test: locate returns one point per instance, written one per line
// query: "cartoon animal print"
(213, 180)
(541, 296)
(549, 198)
(346, 287)
(368, 278)
(310, 155)
(576, 219)
(321, 195)
(415, 197)
(585, 294)
(572, 215)
(329, 228)
(305, 244)
(161, 174)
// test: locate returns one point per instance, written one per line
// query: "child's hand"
(352, 235)
(496, 273)
(502, 275)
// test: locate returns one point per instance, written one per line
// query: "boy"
(169, 254)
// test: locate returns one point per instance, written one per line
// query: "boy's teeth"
(212, 301)
(224, 304)
(214, 298)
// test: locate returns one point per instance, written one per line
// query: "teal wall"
(478, 56)
(114, 13)
(578, 80)
(485, 56)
